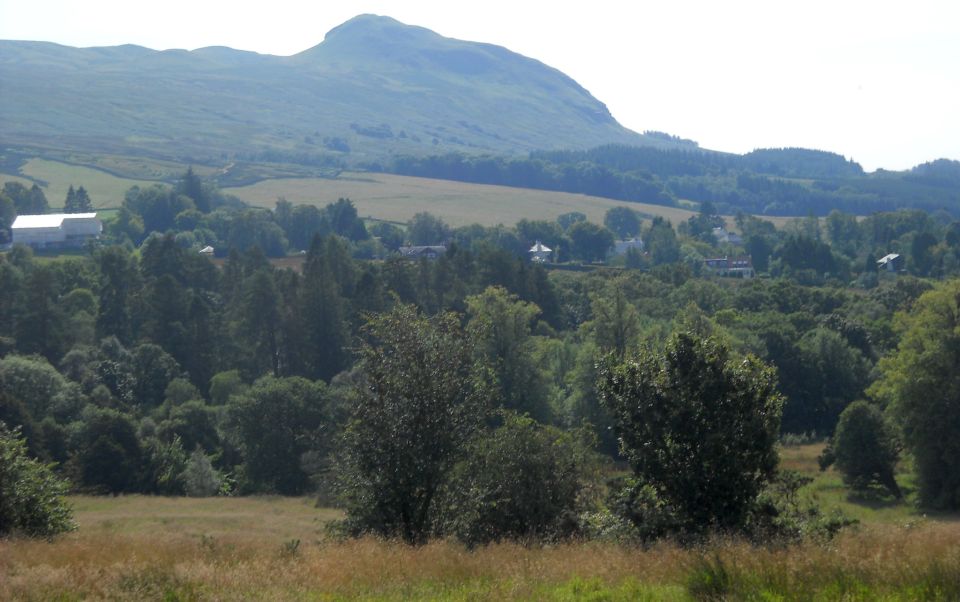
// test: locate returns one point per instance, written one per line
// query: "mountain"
(373, 88)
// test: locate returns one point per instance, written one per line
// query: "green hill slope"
(373, 88)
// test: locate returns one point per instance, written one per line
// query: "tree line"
(791, 182)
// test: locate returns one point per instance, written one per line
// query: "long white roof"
(49, 220)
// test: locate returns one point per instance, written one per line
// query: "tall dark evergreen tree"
(11, 286)
(42, 325)
(191, 186)
(70, 203)
(167, 305)
(327, 338)
(119, 281)
(257, 324)
(84, 204)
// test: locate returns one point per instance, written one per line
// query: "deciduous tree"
(864, 449)
(698, 426)
(622, 221)
(419, 400)
(921, 386)
(31, 496)
(500, 324)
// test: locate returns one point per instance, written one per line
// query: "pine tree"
(191, 186)
(325, 314)
(70, 204)
(83, 202)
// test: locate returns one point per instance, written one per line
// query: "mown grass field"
(398, 198)
(105, 189)
(271, 548)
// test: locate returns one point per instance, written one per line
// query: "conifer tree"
(70, 204)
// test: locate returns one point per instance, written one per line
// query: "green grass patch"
(56, 177)
(828, 491)
(397, 198)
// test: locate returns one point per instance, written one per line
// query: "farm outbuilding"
(56, 230)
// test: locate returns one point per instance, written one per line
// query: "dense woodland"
(422, 396)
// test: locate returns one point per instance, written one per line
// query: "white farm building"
(56, 230)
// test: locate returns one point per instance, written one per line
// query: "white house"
(540, 253)
(891, 263)
(56, 230)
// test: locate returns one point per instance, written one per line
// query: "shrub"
(31, 496)
(781, 514)
(646, 515)
(521, 481)
(200, 478)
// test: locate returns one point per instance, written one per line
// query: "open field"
(105, 190)
(157, 549)
(271, 548)
(398, 198)
(378, 196)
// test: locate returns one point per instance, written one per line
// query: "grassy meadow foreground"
(155, 548)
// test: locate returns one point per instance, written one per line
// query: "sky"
(875, 81)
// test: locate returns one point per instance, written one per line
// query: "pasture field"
(272, 548)
(105, 190)
(398, 198)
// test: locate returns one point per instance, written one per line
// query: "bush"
(643, 512)
(781, 514)
(31, 496)
(200, 478)
(522, 481)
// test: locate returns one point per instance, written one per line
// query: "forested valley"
(142, 365)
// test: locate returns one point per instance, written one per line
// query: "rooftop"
(49, 220)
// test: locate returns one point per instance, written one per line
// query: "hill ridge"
(373, 88)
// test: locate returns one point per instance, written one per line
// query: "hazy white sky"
(876, 81)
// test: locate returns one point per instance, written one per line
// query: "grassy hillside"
(398, 198)
(372, 88)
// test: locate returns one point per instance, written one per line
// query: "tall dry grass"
(187, 552)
